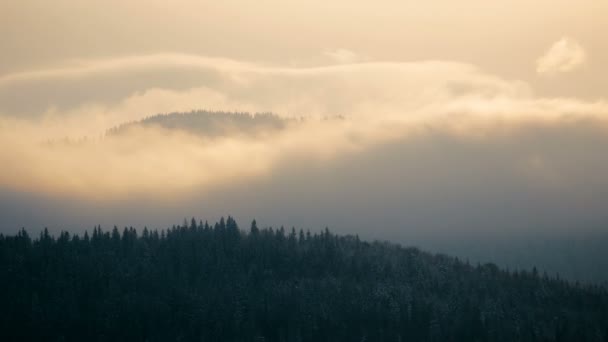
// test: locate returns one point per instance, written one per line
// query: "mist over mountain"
(433, 190)
(472, 129)
(210, 124)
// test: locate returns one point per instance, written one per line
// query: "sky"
(457, 118)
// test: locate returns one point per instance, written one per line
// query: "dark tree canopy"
(202, 282)
(209, 123)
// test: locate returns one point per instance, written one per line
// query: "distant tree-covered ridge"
(202, 282)
(209, 123)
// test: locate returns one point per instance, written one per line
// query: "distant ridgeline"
(209, 123)
(201, 282)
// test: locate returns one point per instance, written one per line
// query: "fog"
(65, 152)
(486, 198)
(396, 127)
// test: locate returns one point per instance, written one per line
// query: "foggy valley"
(414, 171)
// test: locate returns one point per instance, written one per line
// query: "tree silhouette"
(193, 282)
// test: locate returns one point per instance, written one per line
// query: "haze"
(431, 123)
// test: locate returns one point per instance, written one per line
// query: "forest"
(218, 282)
(210, 124)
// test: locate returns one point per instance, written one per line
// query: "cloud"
(324, 90)
(565, 55)
(83, 68)
(343, 56)
(383, 103)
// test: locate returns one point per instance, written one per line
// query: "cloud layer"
(565, 55)
(382, 103)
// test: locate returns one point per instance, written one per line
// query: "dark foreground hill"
(198, 282)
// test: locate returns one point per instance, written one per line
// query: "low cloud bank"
(381, 103)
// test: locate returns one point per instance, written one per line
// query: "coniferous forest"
(202, 282)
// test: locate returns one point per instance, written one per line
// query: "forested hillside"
(209, 123)
(201, 282)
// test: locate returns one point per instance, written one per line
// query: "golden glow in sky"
(394, 70)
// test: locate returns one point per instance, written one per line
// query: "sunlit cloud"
(343, 56)
(565, 55)
(381, 103)
(324, 90)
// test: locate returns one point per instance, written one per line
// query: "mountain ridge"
(218, 282)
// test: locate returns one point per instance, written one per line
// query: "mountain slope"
(209, 123)
(218, 283)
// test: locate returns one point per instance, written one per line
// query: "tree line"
(216, 282)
